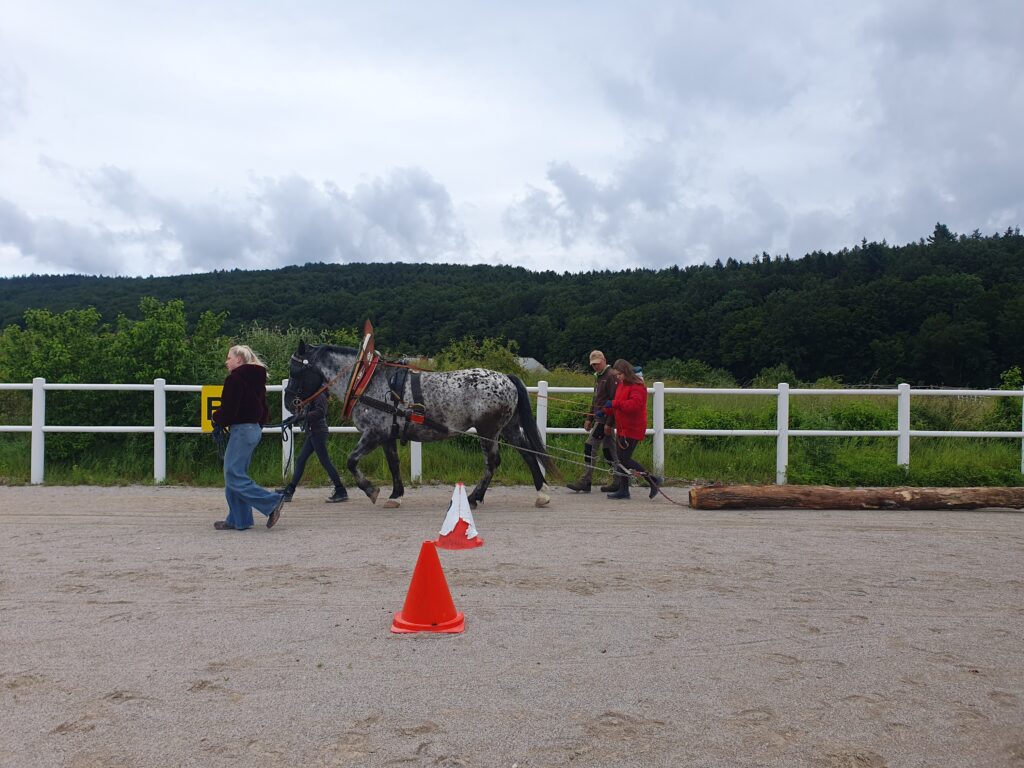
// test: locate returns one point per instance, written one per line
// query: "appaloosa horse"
(436, 406)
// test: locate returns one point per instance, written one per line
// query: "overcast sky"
(153, 138)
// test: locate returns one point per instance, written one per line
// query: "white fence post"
(159, 430)
(287, 436)
(415, 461)
(38, 420)
(658, 449)
(542, 410)
(782, 440)
(903, 426)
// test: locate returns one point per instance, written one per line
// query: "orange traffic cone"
(458, 530)
(428, 605)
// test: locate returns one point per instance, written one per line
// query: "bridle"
(298, 406)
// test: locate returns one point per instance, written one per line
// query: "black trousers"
(625, 447)
(315, 442)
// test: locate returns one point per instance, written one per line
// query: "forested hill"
(945, 310)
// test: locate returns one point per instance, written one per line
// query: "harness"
(362, 373)
(414, 412)
(410, 413)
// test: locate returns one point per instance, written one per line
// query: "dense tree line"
(946, 310)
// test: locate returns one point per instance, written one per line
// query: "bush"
(773, 376)
(688, 373)
(495, 354)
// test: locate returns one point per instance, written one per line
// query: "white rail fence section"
(159, 429)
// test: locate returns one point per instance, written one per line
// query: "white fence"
(782, 393)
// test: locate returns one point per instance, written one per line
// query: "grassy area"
(192, 459)
(832, 461)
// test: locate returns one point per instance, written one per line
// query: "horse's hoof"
(472, 504)
(392, 504)
(373, 496)
(542, 501)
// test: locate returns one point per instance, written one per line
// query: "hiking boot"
(622, 493)
(655, 481)
(580, 486)
(340, 494)
(612, 487)
(288, 491)
(275, 514)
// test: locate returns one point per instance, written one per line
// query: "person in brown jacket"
(600, 426)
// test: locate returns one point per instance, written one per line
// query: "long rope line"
(618, 471)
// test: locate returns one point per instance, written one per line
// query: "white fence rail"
(782, 432)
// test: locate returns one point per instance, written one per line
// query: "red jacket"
(630, 407)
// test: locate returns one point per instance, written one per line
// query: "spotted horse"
(422, 406)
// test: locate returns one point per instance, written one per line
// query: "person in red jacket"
(629, 407)
(243, 411)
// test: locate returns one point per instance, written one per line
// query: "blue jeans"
(241, 492)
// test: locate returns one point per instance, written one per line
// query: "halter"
(300, 406)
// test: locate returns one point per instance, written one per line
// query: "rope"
(621, 472)
(549, 398)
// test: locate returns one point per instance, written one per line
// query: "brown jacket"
(604, 390)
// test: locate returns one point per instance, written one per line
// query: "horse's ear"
(302, 347)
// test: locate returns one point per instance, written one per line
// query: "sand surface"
(598, 633)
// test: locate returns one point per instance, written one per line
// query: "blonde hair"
(248, 356)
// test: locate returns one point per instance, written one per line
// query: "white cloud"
(405, 216)
(551, 135)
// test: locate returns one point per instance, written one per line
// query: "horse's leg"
(513, 436)
(397, 488)
(492, 460)
(367, 442)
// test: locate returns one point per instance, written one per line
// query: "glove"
(608, 406)
(598, 432)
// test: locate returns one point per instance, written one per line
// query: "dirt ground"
(598, 633)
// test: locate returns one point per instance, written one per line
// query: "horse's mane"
(334, 348)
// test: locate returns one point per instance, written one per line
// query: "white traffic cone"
(458, 530)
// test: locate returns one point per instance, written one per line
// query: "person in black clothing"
(243, 411)
(316, 440)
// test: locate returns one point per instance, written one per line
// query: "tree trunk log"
(828, 497)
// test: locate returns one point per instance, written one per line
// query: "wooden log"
(829, 497)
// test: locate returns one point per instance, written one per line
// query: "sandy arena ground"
(598, 633)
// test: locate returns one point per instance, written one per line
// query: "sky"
(160, 138)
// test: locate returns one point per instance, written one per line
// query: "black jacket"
(316, 415)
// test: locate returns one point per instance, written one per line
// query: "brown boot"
(613, 486)
(580, 486)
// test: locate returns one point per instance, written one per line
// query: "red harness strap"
(362, 375)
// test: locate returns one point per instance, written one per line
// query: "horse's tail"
(528, 424)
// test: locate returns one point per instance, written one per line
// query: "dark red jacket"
(630, 407)
(244, 400)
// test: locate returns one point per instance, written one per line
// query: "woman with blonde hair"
(629, 407)
(243, 411)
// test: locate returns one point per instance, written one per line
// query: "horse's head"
(304, 376)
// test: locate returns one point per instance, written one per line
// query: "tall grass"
(192, 459)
